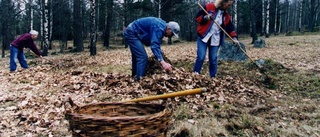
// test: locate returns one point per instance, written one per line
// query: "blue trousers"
(16, 53)
(201, 55)
(139, 55)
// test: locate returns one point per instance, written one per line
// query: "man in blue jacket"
(148, 31)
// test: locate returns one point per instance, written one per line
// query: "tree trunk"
(31, 14)
(287, 24)
(125, 10)
(5, 4)
(65, 24)
(267, 19)
(125, 19)
(236, 15)
(45, 26)
(77, 26)
(107, 30)
(253, 21)
(50, 23)
(263, 17)
(169, 40)
(313, 12)
(159, 9)
(5, 40)
(280, 22)
(93, 49)
(275, 17)
(300, 15)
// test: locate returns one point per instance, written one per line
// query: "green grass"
(295, 86)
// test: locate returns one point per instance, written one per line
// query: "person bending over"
(148, 31)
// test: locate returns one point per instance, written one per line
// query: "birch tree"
(159, 9)
(267, 19)
(235, 18)
(160, 4)
(45, 26)
(31, 13)
(93, 49)
(300, 15)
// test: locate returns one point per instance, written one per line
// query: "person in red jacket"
(16, 49)
(210, 36)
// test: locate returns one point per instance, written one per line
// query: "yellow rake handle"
(170, 95)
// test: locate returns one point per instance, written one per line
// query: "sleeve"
(200, 16)
(156, 36)
(34, 48)
(231, 30)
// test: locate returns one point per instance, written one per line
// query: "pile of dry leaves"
(38, 104)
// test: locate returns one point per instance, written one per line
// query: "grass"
(205, 127)
(296, 84)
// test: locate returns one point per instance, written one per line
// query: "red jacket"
(26, 41)
(204, 26)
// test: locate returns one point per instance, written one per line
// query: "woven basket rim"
(118, 102)
(97, 117)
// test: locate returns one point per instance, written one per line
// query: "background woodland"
(103, 20)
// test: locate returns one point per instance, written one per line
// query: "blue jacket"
(150, 31)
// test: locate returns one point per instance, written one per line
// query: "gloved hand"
(236, 41)
(208, 17)
(166, 66)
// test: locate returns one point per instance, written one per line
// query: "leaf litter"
(33, 102)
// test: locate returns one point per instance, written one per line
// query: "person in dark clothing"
(210, 36)
(16, 49)
(148, 31)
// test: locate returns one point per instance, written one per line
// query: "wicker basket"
(119, 119)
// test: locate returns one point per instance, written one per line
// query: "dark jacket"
(26, 41)
(204, 26)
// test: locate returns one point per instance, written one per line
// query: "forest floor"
(239, 102)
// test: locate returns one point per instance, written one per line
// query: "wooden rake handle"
(258, 66)
(229, 36)
(169, 95)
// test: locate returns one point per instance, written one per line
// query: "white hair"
(33, 32)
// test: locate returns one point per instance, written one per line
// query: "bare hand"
(208, 17)
(236, 41)
(166, 66)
